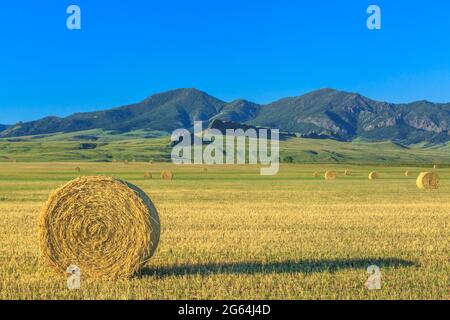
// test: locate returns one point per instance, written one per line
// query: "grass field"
(100, 146)
(231, 233)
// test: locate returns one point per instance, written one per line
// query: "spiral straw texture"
(330, 175)
(106, 227)
(148, 175)
(167, 175)
(374, 175)
(427, 180)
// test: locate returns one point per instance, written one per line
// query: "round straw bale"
(167, 175)
(427, 180)
(151, 162)
(106, 227)
(373, 175)
(347, 172)
(125, 162)
(148, 175)
(330, 175)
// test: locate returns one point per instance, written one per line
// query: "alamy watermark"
(374, 20)
(73, 21)
(234, 146)
(74, 278)
(374, 280)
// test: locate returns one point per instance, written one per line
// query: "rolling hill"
(143, 146)
(325, 113)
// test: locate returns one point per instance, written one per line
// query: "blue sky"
(255, 49)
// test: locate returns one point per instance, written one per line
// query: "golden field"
(230, 233)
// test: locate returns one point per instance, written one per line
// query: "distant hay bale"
(77, 169)
(347, 172)
(407, 173)
(316, 174)
(106, 227)
(151, 162)
(330, 175)
(167, 175)
(148, 175)
(374, 175)
(427, 181)
(125, 162)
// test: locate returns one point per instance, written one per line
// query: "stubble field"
(230, 233)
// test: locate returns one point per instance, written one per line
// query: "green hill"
(142, 146)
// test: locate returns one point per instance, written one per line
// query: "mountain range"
(325, 113)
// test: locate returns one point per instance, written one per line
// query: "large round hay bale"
(167, 175)
(106, 227)
(330, 175)
(374, 175)
(427, 181)
(347, 172)
(148, 175)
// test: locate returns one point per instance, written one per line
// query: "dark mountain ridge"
(325, 113)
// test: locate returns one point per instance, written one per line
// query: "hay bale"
(427, 181)
(151, 162)
(148, 175)
(373, 175)
(125, 162)
(330, 175)
(347, 172)
(106, 227)
(167, 175)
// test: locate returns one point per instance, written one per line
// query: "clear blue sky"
(255, 49)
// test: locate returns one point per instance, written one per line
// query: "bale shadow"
(306, 266)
